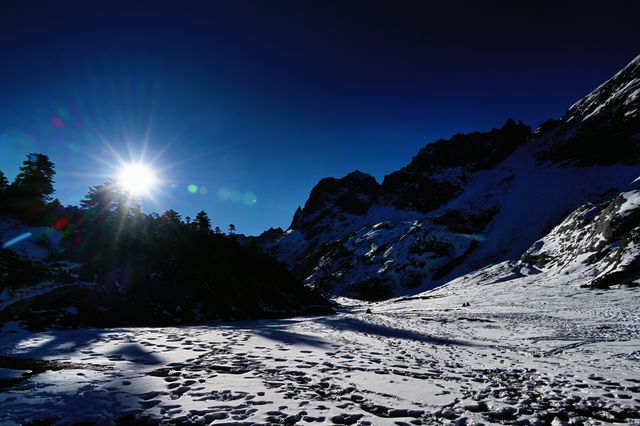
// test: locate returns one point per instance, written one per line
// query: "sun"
(137, 178)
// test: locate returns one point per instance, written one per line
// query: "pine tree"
(4, 183)
(34, 182)
(103, 198)
(202, 222)
(172, 217)
(232, 229)
(4, 186)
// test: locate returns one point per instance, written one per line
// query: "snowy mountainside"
(32, 242)
(618, 96)
(597, 245)
(467, 202)
(440, 171)
(602, 128)
(601, 241)
(27, 268)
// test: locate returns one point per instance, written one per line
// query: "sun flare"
(137, 178)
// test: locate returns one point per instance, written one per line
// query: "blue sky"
(254, 101)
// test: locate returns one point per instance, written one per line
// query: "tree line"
(29, 197)
(160, 259)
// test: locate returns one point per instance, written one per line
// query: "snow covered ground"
(528, 350)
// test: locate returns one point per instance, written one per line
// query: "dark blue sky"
(258, 100)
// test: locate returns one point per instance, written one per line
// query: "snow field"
(552, 354)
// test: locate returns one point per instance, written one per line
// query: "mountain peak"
(600, 129)
(358, 175)
(619, 96)
(472, 200)
(352, 194)
(438, 172)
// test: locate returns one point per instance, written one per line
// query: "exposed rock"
(439, 172)
(603, 238)
(473, 200)
(602, 128)
(334, 198)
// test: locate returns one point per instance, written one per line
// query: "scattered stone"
(346, 419)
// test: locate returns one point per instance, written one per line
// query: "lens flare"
(137, 178)
(57, 121)
(17, 240)
(247, 198)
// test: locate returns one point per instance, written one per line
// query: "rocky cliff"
(476, 199)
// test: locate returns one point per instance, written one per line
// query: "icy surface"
(529, 347)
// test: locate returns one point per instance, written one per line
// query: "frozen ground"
(526, 351)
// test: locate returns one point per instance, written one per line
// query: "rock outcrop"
(474, 200)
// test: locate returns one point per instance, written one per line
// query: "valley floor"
(523, 352)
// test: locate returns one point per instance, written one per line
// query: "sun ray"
(137, 178)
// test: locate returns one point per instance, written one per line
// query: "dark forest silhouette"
(151, 268)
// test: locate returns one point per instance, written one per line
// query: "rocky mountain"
(601, 241)
(548, 197)
(600, 129)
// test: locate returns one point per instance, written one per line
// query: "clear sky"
(254, 101)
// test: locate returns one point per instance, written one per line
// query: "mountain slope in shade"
(467, 202)
(601, 128)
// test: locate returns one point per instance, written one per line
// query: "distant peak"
(357, 174)
(352, 194)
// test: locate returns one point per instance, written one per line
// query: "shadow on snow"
(378, 330)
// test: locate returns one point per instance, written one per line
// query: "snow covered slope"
(32, 242)
(601, 128)
(467, 202)
(601, 242)
(528, 350)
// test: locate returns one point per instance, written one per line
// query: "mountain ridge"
(466, 202)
